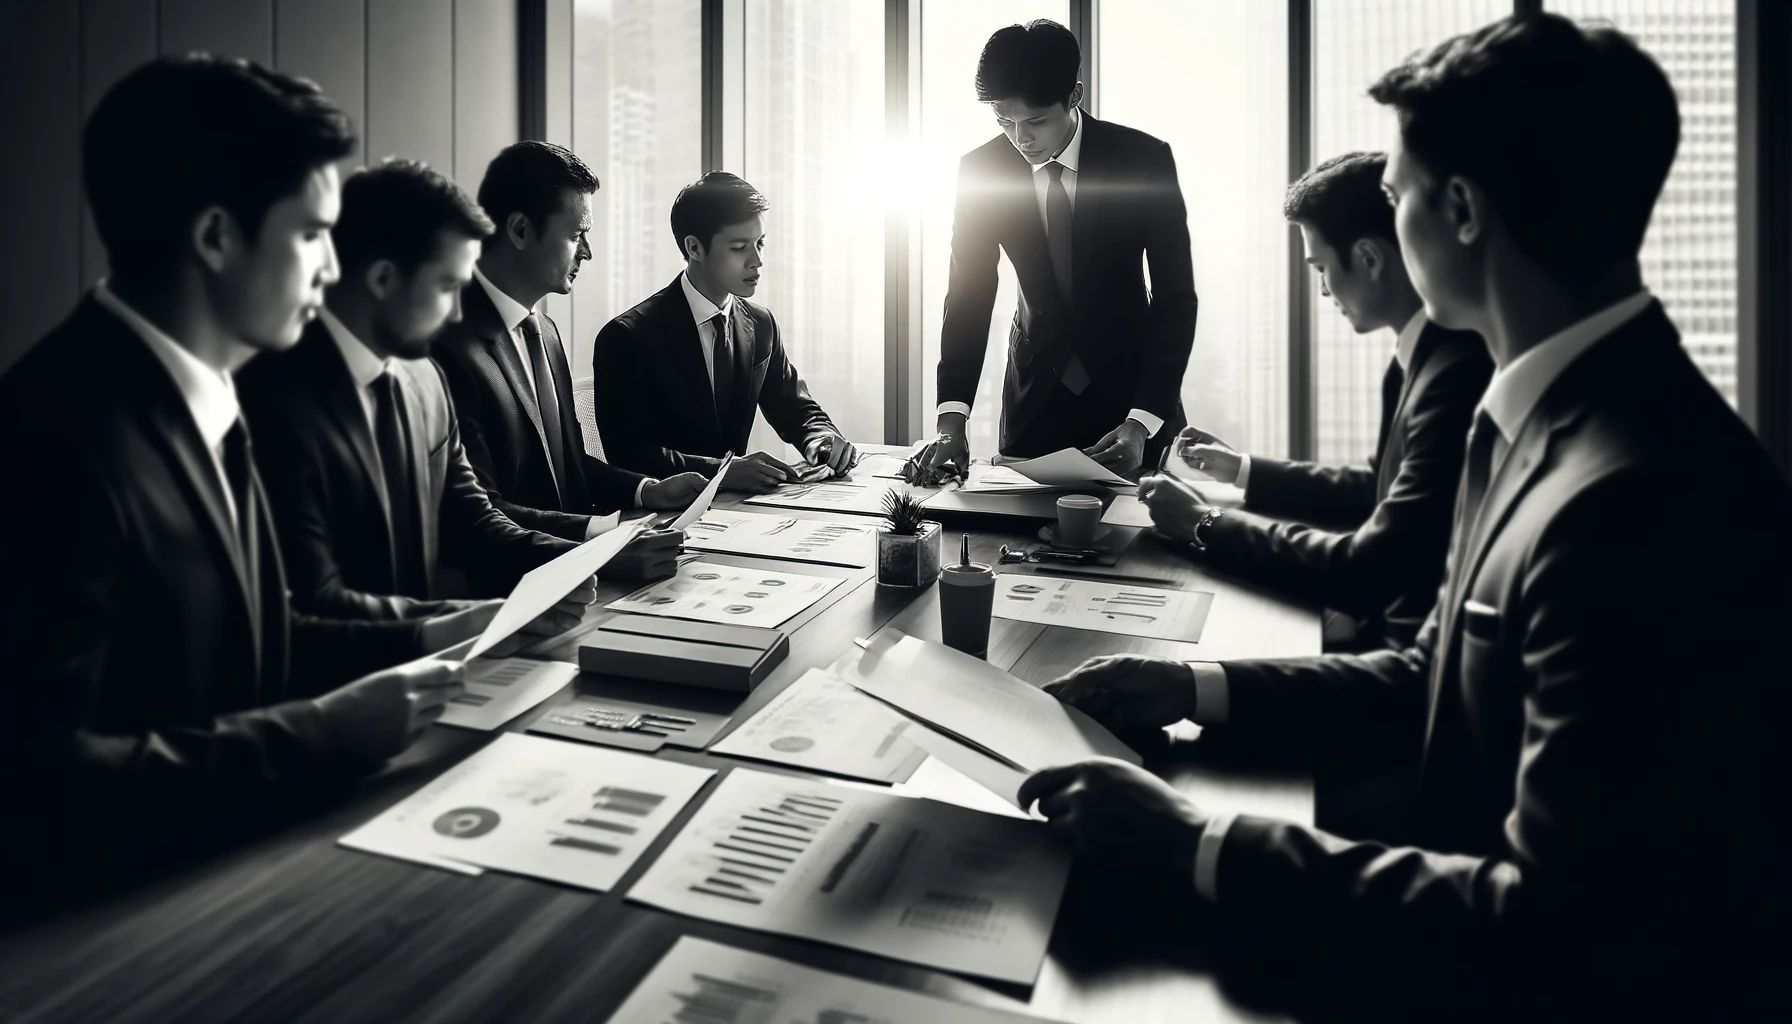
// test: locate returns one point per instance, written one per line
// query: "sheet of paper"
(744, 596)
(1067, 467)
(936, 779)
(1128, 510)
(541, 588)
(787, 537)
(971, 700)
(703, 981)
(1107, 607)
(350, 842)
(701, 505)
(825, 724)
(499, 689)
(604, 524)
(914, 880)
(565, 812)
(860, 497)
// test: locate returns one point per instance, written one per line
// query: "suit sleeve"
(970, 287)
(624, 414)
(1170, 324)
(784, 397)
(470, 414)
(612, 488)
(1402, 545)
(1342, 496)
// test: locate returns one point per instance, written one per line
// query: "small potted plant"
(908, 543)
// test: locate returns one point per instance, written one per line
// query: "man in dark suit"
(1381, 559)
(507, 368)
(159, 689)
(1095, 358)
(1595, 704)
(361, 453)
(680, 377)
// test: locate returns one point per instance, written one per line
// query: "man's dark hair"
(711, 203)
(394, 210)
(1036, 62)
(531, 178)
(181, 134)
(1570, 131)
(1341, 198)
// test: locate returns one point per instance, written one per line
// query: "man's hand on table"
(835, 452)
(1118, 814)
(1122, 449)
(947, 456)
(676, 491)
(758, 473)
(1129, 692)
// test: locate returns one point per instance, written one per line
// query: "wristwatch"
(1208, 518)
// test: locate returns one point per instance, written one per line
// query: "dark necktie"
(239, 458)
(1058, 219)
(1391, 383)
(723, 358)
(547, 403)
(393, 438)
(1485, 445)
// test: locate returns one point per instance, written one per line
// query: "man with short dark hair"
(1595, 704)
(361, 450)
(681, 376)
(159, 689)
(507, 368)
(1095, 358)
(1377, 555)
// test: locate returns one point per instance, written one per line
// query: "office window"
(1210, 77)
(1689, 257)
(952, 124)
(638, 121)
(1354, 42)
(814, 146)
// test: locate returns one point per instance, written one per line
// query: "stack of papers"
(561, 811)
(1066, 469)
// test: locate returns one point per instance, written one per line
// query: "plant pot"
(908, 560)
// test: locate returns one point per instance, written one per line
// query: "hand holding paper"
(542, 588)
(701, 505)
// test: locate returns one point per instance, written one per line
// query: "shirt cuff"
(597, 526)
(961, 408)
(1243, 482)
(1207, 855)
(1152, 424)
(1213, 698)
(641, 488)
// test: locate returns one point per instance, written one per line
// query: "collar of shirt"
(1516, 389)
(701, 308)
(363, 365)
(1409, 340)
(210, 394)
(1072, 151)
(510, 311)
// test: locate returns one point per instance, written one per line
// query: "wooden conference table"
(293, 927)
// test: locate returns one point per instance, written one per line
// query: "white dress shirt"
(363, 366)
(210, 395)
(1514, 391)
(1404, 346)
(511, 314)
(1070, 156)
(704, 311)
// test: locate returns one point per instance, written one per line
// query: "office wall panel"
(485, 85)
(116, 36)
(238, 28)
(410, 80)
(40, 268)
(326, 41)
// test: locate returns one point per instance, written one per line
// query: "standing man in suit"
(1595, 705)
(1380, 562)
(361, 452)
(507, 368)
(159, 689)
(1095, 358)
(681, 376)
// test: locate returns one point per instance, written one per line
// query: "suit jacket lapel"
(1091, 185)
(484, 318)
(684, 352)
(744, 403)
(341, 401)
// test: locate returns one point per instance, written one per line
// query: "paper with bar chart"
(713, 592)
(914, 880)
(565, 812)
(499, 689)
(702, 981)
(787, 537)
(825, 724)
(861, 497)
(1107, 607)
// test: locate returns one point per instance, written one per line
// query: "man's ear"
(1368, 255)
(1076, 97)
(215, 238)
(381, 278)
(517, 230)
(1466, 208)
(693, 249)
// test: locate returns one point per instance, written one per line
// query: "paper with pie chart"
(741, 595)
(826, 724)
(787, 537)
(566, 812)
(1108, 607)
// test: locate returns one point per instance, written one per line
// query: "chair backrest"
(584, 403)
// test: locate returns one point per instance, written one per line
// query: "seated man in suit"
(159, 689)
(1596, 702)
(361, 453)
(1095, 357)
(680, 377)
(1380, 563)
(507, 369)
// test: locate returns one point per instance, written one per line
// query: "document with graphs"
(914, 880)
(702, 981)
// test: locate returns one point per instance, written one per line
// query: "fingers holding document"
(1129, 692)
(1118, 813)
(378, 715)
(650, 556)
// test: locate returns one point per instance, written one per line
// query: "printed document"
(1067, 468)
(499, 689)
(825, 724)
(1106, 607)
(543, 587)
(744, 596)
(701, 505)
(787, 537)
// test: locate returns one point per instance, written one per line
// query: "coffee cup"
(1079, 517)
